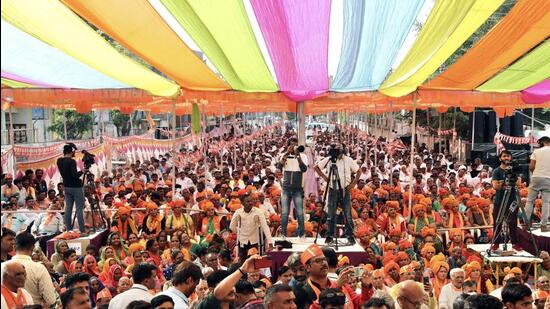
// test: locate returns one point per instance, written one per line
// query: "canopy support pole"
(65, 124)
(411, 165)
(439, 140)
(174, 147)
(300, 114)
(12, 134)
(473, 127)
(532, 127)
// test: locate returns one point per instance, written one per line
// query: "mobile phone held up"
(264, 262)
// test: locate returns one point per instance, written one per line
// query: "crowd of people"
(203, 245)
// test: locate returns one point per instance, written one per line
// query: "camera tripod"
(334, 179)
(94, 202)
(501, 223)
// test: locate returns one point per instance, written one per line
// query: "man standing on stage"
(74, 194)
(499, 179)
(540, 182)
(249, 223)
(349, 174)
(293, 164)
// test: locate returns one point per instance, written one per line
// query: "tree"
(77, 124)
(121, 121)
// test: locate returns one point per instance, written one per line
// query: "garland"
(516, 140)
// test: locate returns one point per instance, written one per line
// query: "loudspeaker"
(490, 127)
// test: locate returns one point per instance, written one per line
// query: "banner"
(7, 160)
(516, 140)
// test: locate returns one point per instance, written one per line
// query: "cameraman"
(540, 181)
(74, 194)
(500, 174)
(293, 164)
(349, 174)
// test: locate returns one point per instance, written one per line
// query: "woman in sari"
(121, 251)
(114, 274)
(104, 275)
(90, 266)
(107, 252)
(60, 247)
(152, 248)
(96, 287)
(76, 267)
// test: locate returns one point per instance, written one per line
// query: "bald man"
(410, 295)
(13, 281)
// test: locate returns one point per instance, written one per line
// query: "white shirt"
(346, 166)
(55, 225)
(448, 295)
(39, 283)
(136, 292)
(542, 166)
(246, 225)
(26, 295)
(180, 300)
(497, 293)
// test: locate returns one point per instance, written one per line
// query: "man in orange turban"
(152, 222)
(123, 222)
(391, 219)
(179, 219)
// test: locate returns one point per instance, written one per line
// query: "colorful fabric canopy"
(525, 26)
(538, 93)
(374, 32)
(29, 60)
(448, 26)
(55, 24)
(223, 32)
(296, 34)
(145, 33)
(529, 70)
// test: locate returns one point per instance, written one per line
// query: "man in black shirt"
(74, 194)
(499, 175)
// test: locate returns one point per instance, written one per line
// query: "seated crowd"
(193, 247)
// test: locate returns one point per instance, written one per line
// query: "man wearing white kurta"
(452, 290)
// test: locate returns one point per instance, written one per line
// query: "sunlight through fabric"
(296, 34)
(450, 23)
(37, 63)
(55, 24)
(527, 71)
(139, 28)
(374, 31)
(524, 27)
(224, 34)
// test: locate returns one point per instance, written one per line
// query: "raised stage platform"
(79, 244)
(542, 240)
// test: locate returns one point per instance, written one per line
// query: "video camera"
(334, 152)
(299, 148)
(511, 175)
(88, 159)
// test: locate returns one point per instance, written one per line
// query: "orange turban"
(383, 194)
(395, 233)
(308, 226)
(250, 188)
(393, 204)
(362, 231)
(418, 197)
(436, 267)
(368, 267)
(275, 192)
(391, 265)
(400, 256)
(311, 252)
(150, 206)
(438, 258)
(368, 191)
(426, 231)
(472, 202)
(378, 273)
(342, 260)
(471, 267)
(119, 204)
(443, 192)
(449, 202)
(455, 232)
(242, 192)
(177, 203)
(124, 210)
(405, 244)
(474, 258)
(388, 257)
(488, 193)
(426, 202)
(389, 246)
(234, 204)
(291, 227)
(482, 202)
(150, 186)
(464, 191)
(207, 205)
(428, 248)
(200, 194)
(418, 207)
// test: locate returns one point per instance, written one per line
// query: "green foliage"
(77, 124)
(121, 121)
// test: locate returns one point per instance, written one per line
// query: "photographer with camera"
(348, 173)
(504, 176)
(74, 193)
(293, 164)
(540, 182)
